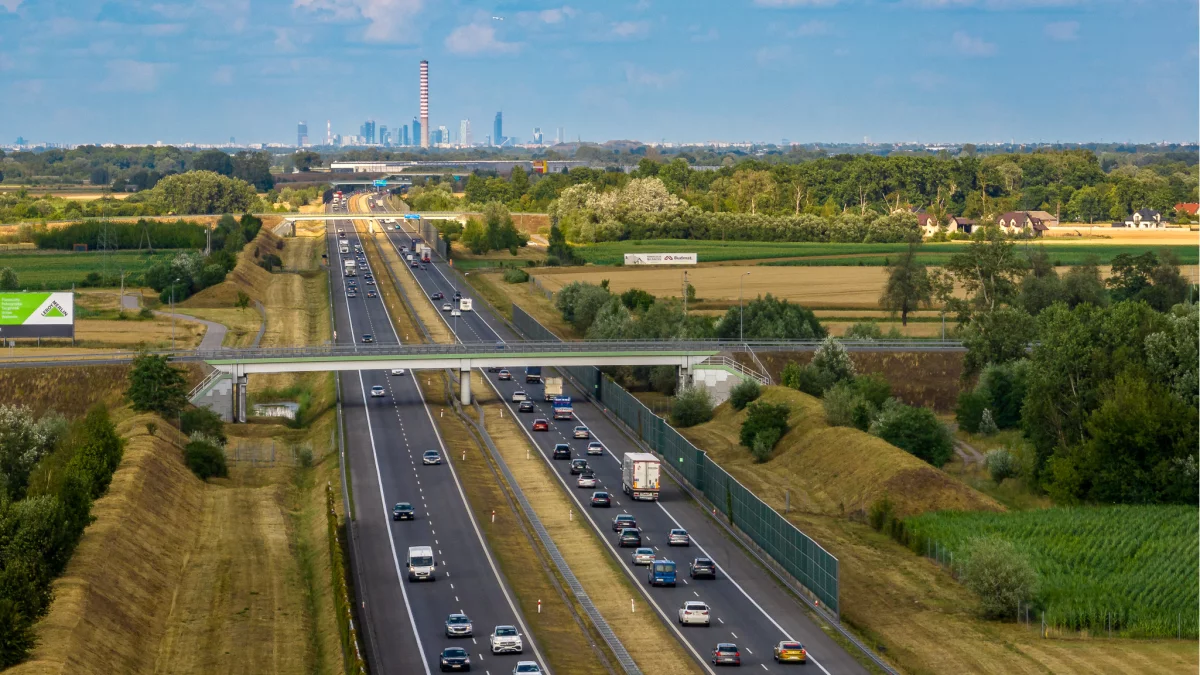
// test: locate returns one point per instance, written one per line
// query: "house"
(930, 225)
(1190, 208)
(960, 224)
(1145, 219)
(1017, 222)
(1048, 218)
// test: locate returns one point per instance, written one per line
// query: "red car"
(541, 425)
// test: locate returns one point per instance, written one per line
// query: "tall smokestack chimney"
(424, 104)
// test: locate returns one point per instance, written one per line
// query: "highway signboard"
(35, 315)
(660, 258)
(380, 182)
(412, 216)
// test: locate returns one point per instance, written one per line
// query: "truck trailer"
(351, 267)
(639, 475)
(554, 387)
(562, 408)
(533, 375)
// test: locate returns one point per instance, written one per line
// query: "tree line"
(139, 167)
(191, 272)
(121, 235)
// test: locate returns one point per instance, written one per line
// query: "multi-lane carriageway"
(405, 621)
(748, 606)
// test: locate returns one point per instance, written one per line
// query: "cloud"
(928, 81)
(810, 28)
(640, 77)
(550, 17)
(10, 5)
(779, 4)
(223, 75)
(388, 20)
(768, 55)
(971, 46)
(478, 38)
(1063, 31)
(283, 40)
(128, 75)
(629, 29)
(993, 4)
(711, 35)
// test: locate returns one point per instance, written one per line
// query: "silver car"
(431, 457)
(679, 537)
(594, 448)
(582, 432)
(459, 625)
(694, 613)
(643, 556)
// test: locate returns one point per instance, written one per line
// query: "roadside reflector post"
(493, 515)
(571, 514)
(464, 455)
(441, 412)
(539, 605)
(632, 607)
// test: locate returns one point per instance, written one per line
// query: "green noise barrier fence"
(794, 551)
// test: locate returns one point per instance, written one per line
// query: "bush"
(790, 377)
(845, 407)
(882, 518)
(833, 362)
(664, 379)
(914, 430)
(156, 386)
(204, 421)
(812, 381)
(764, 442)
(205, 457)
(1000, 575)
(1004, 388)
(743, 393)
(691, 407)
(763, 416)
(987, 426)
(969, 411)
(863, 330)
(873, 388)
(515, 275)
(1001, 464)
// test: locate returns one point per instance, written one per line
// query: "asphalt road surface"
(746, 603)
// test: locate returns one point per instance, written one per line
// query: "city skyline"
(810, 71)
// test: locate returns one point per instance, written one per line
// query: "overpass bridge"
(426, 215)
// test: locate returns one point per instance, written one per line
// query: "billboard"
(660, 258)
(34, 315)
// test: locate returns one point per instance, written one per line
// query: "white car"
(377, 391)
(445, 307)
(397, 371)
(455, 312)
(694, 613)
(582, 432)
(518, 396)
(527, 668)
(643, 556)
(506, 639)
(586, 480)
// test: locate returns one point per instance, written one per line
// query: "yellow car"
(790, 652)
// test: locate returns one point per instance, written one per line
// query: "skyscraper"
(443, 136)
(558, 136)
(328, 132)
(537, 135)
(424, 104)
(464, 133)
(302, 134)
(404, 135)
(368, 132)
(498, 129)
(417, 138)
(384, 137)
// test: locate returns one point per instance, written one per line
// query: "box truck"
(553, 388)
(639, 475)
(350, 267)
(465, 304)
(533, 375)
(562, 408)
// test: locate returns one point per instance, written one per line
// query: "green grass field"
(809, 253)
(58, 270)
(1132, 567)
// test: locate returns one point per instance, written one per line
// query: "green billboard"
(33, 315)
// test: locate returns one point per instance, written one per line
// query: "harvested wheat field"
(1104, 234)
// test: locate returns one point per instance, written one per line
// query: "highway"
(747, 604)
(386, 436)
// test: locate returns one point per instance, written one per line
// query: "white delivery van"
(420, 563)
(464, 304)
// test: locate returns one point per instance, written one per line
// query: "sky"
(931, 71)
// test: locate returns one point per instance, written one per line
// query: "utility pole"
(685, 294)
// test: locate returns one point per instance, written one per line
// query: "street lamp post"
(741, 329)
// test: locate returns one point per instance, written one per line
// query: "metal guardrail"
(726, 362)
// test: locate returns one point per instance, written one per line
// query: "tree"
(1083, 283)
(743, 393)
(999, 575)
(1087, 205)
(907, 285)
(24, 441)
(1003, 387)
(914, 430)
(863, 330)
(98, 451)
(988, 271)
(1041, 287)
(579, 302)
(996, 337)
(305, 160)
(205, 458)
(243, 300)
(635, 299)
(691, 406)
(769, 318)
(845, 406)
(217, 161)
(750, 187)
(8, 280)
(765, 423)
(1173, 353)
(518, 182)
(203, 192)
(205, 421)
(254, 168)
(156, 386)
(474, 238)
(833, 362)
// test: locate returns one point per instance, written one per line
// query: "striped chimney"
(424, 104)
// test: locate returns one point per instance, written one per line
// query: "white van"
(420, 563)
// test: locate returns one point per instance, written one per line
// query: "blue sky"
(138, 71)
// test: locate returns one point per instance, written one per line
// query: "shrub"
(691, 407)
(832, 361)
(840, 403)
(205, 457)
(1004, 387)
(914, 430)
(151, 428)
(987, 426)
(516, 275)
(664, 379)
(873, 388)
(305, 457)
(969, 411)
(1001, 464)
(882, 517)
(764, 442)
(145, 313)
(763, 416)
(812, 381)
(204, 421)
(790, 377)
(156, 386)
(743, 393)
(1000, 575)
(863, 330)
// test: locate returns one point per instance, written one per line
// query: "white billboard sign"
(660, 258)
(37, 315)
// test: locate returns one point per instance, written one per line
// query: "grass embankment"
(529, 297)
(648, 641)
(1065, 252)
(59, 270)
(560, 627)
(70, 390)
(922, 618)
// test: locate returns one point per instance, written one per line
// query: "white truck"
(421, 563)
(639, 475)
(464, 304)
(351, 268)
(553, 387)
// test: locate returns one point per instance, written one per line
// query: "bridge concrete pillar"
(686, 378)
(239, 410)
(464, 383)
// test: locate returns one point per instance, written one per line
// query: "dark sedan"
(455, 658)
(526, 407)
(703, 568)
(601, 499)
(727, 654)
(403, 511)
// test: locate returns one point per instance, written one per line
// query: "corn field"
(1119, 570)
